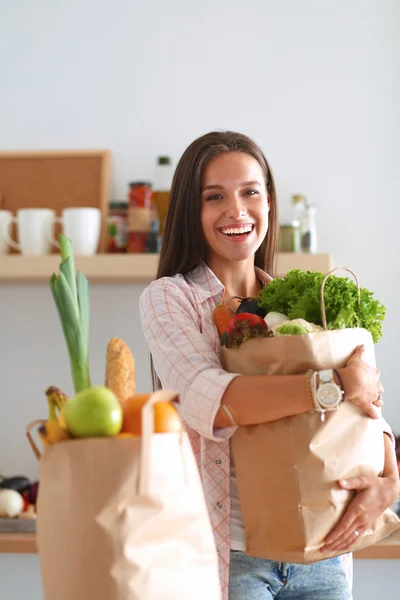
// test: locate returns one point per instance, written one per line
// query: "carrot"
(222, 314)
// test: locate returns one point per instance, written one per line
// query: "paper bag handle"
(323, 313)
(147, 433)
(31, 441)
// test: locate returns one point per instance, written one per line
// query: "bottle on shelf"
(154, 239)
(308, 228)
(163, 175)
(140, 215)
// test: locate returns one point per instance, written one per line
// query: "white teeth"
(237, 230)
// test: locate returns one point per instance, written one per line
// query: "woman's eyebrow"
(221, 187)
(212, 187)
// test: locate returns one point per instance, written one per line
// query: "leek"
(71, 295)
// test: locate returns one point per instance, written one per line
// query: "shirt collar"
(209, 286)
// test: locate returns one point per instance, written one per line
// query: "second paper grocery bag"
(125, 519)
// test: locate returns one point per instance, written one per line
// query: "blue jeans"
(259, 579)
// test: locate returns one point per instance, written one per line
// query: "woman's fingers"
(347, 540)
(378, 402)
(364, 388)
(368, 407)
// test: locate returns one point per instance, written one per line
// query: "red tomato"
(250, 319)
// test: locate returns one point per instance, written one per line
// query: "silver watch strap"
(326, 376)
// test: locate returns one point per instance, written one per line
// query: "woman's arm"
(373, 496)
(252, 399)
(186, 362)
(245, 402)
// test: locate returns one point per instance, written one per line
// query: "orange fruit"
(166, 416)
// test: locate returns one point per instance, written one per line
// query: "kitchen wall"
(315, 83)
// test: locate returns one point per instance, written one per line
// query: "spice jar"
(117, 227)
(140, 215)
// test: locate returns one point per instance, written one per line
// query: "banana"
(60, 399)
(56, 396)
(53, 431)
(42, 433)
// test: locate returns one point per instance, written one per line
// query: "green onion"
(72, 302)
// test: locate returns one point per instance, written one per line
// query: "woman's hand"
(361, 384)
(373, 496)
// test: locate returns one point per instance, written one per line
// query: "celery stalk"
(72, 303)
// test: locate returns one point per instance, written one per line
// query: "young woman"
(219, 241)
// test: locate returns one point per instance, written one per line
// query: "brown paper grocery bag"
(125, 519)
(287, 470)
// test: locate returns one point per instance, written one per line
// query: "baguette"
(120, 370)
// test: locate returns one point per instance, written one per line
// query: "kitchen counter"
(25, 543)
(18, 543)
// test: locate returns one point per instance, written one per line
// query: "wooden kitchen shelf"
(125, 268)
(24, 543)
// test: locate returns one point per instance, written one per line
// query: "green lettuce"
(297, 295)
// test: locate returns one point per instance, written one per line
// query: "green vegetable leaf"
(297, 295)
(290, 329)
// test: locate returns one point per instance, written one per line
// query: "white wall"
(316, 83)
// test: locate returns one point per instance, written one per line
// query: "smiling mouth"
(242, 230)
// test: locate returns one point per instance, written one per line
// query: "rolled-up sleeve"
(183, 358)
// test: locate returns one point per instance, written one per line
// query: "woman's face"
(234, 207)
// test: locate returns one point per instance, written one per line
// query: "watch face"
(329, 395)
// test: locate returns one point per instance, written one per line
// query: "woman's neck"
(238, 278)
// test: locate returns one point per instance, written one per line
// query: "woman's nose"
(236, 207)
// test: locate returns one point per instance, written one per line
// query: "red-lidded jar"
(140, 215)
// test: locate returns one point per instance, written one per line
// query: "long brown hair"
(184, 246)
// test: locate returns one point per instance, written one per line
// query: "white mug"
(5, 220)
(34, 230)
(82, 226)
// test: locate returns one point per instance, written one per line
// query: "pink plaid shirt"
(177, 320)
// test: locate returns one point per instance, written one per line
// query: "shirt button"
(219, 504)
(219, 461)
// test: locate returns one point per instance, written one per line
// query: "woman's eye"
(214, 197)
(251, 192)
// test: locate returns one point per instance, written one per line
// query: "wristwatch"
(329, 394)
